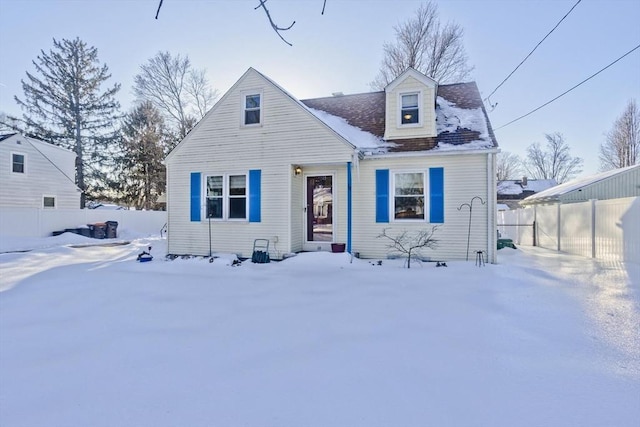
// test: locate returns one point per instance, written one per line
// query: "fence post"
(593, 228)
(559, 227)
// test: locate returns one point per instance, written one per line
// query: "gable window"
(48, 202)
(410, 110)
(409, 195)
(252, 109)
(226, 196)
(17, 163)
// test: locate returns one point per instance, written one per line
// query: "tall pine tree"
(142, 149)
(64, 103)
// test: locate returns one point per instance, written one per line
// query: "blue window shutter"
(254, 195)
(382, 195)
(436, 195)
(195, 196)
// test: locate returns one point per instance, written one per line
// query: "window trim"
(24, 163)
(401, 125)
(226, 196)
(55, 201)
(243, 108)
(392, 195)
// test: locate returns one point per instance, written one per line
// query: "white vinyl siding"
(465, 176)
(289, 135)
(40, 177)
(624, 184)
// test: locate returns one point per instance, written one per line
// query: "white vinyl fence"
(604, 229)
(32, 222)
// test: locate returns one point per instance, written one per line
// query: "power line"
(534, 49)
(567, 91)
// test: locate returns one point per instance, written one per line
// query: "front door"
(319, 212)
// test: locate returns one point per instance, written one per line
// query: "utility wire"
(534, 49)
(567, 91)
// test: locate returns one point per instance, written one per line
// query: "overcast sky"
(341, 50)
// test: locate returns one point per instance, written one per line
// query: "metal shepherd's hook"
(470, 206)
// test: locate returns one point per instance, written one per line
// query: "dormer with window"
(410, 106)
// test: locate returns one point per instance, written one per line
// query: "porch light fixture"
(297, 170)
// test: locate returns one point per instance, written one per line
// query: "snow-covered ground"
(90, 337)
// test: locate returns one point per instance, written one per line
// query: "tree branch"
(275, 27)
(159, 6)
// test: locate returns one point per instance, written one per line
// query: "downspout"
(491, 206)
(349, 206)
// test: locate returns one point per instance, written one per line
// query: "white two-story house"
(304, 174)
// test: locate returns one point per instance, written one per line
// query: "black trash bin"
(112, 229)
(98, 230)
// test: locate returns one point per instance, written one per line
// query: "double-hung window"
(215, 196)
(237, 196)
(226, 196)
(252, 103)
(409, 195)
(17, 163)
(410, 108)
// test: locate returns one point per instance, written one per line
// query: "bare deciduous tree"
(181, 93)
(508, 166)
(554, 162)
(622, 146)
(423, 43)
(410, 244)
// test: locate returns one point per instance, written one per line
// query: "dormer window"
(252, 109)
(410, 109)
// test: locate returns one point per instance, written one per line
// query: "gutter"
(431, 153)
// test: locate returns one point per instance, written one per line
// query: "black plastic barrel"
(112, 229)
(98, 230)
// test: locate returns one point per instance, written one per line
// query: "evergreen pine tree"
(142, 149)
(64, 104)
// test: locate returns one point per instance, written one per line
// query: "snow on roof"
(515, 187)
(364, 141)
(577, 184)
(450, 118)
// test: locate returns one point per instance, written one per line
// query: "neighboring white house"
(613, 184)
(304, 174)
(36, 174)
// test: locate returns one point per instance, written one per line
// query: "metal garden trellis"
(470, 205)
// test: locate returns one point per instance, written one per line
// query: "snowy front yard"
(90, 337)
